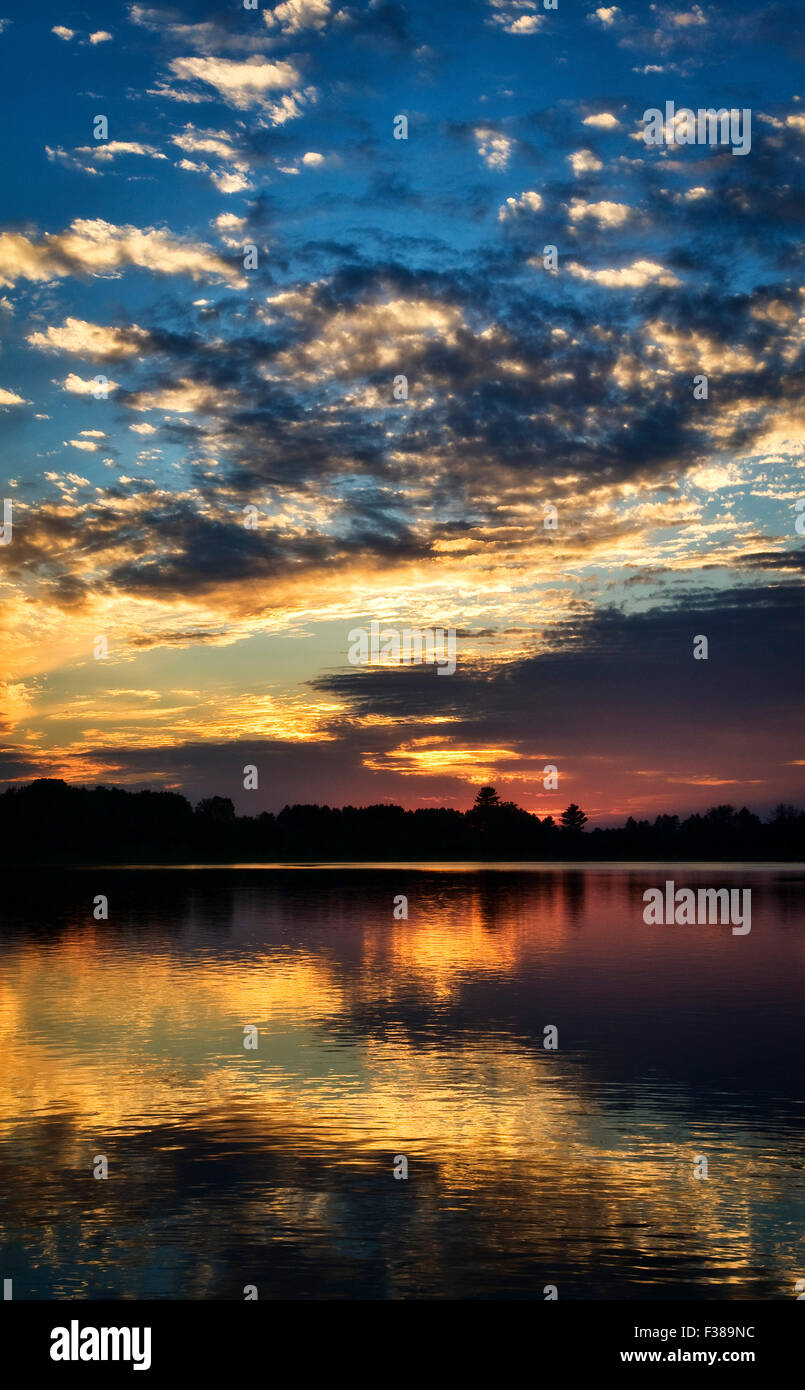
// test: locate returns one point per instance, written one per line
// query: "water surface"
(378, 1038)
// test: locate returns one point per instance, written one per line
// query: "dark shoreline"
(51, 823)
(412, 862)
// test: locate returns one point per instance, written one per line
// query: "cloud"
(78, 386)
(185, 398)
(231, 228)
(521, 387)
(240, 84)
(670, 32)
(642, 682)
(100, 36)
(293, 16)
(602, 120)
(234, 180)
(92, 340)
(516, 16)
(310, 160)
(208, 36)
(366, 338)
(16, 699)
(527, 202)
(237, 181)
(634, 276)
(584, 162)
(691, 350)
(606, 214)
(104, 152)
(8, 398)
(195, 141)
(95, 247)
(63, 33)
(606, 15)
(685, 18)
(447, 756)
(493, 147)
(230, 222)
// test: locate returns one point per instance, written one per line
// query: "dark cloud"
(626, 688)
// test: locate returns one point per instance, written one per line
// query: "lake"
(379, 1039)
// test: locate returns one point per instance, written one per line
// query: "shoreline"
(428, 865)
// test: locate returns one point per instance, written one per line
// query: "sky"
(249, 257)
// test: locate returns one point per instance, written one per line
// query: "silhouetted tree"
(217, 808)
(50, 822)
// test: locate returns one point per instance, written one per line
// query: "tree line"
(49, 821)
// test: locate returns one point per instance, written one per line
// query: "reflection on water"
(377, 1037)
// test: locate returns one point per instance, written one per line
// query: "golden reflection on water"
(522, 1161)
